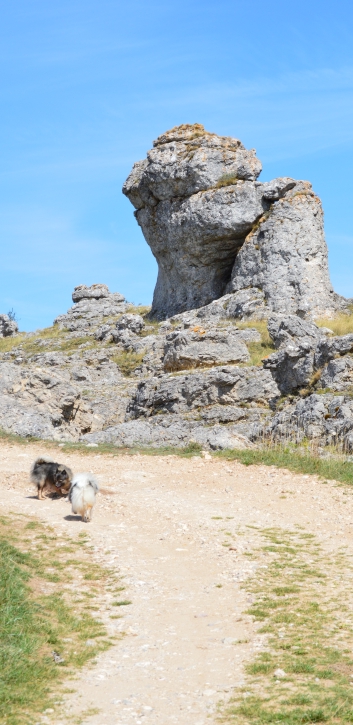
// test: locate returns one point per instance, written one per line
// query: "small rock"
(279, 674)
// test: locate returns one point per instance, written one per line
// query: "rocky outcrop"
(8, 327)
(120, 378)
(215, 230)
(338, 375)
(91, 306)
(62, 397)
(171, 432)
(291, 330)
(228, 248)
(198, 348)
(94, 292)
(327, 419)
(195, 392)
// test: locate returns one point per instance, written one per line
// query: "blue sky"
(86, 85)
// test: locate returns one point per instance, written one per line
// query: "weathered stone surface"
(292, 366)
(331, 347)
(292, 329)
(187, 160)
(325, 418)
(338, 374)
(196, 200)
(246, 304)
(203, 349)
(93, 305)
(215, 230)
(285, 256)
(57, 396)
(195, 241)
(184, 393)
(7, 327)
(54, 404)
(95, 292)
(169, 432)
(134, 323)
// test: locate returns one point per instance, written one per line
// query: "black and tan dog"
(54, 477)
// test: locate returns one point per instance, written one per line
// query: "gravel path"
(166, 527)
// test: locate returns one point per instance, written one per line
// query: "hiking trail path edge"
(164, 530)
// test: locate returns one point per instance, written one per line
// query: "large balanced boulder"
(196, 200)
(214, 229)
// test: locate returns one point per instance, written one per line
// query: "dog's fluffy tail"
(38, 462)
(83, 494)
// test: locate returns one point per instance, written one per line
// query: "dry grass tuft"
(258, 350)
(340, 325)
(227, 180)
(127, 362)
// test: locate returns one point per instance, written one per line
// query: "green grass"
(109, 448)
(332, 468)
(8, 343)
(142, 310)
(309, 636)
(60, 339)
(41, 613)
(337, 469)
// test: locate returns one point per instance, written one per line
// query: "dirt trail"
(165, 529)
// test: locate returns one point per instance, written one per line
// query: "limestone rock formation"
(199, 348)
(214, 230)
(8, 327)
(327, 418)
(116, 377)
(285, 256)
(94, 292)
(228, 385)
(91, 305)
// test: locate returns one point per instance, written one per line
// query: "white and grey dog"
(82, 494)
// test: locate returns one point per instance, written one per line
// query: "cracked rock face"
(203, 349)
(214, 229)
(285, 257)
(185, 393)
(192, 218)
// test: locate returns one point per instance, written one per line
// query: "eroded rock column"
(214, 230)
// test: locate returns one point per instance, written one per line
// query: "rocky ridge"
(195, 378)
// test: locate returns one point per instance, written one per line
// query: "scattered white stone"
(279, 673)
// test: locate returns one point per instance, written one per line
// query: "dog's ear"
(64, 473)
